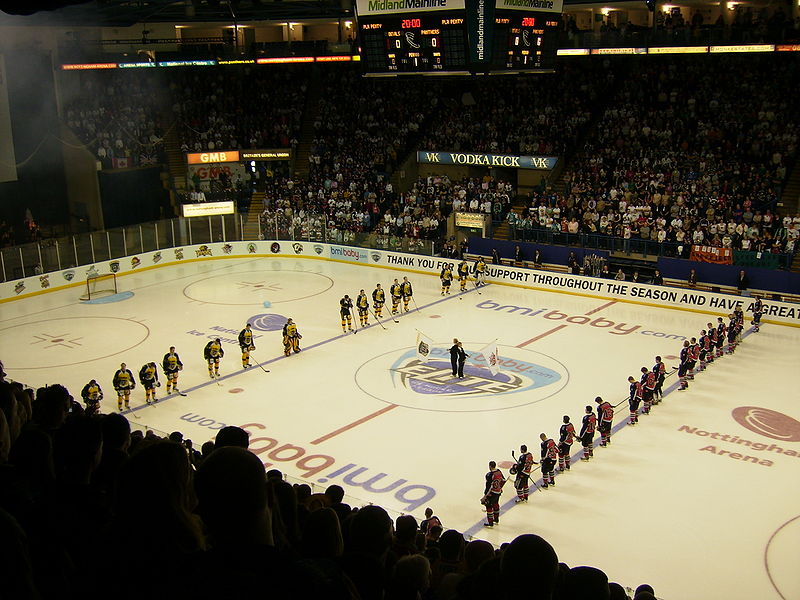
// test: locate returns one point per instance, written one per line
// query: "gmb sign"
(546, 163)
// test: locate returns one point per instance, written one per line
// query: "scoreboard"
(525, 41)
(434, 42)
(457, 36)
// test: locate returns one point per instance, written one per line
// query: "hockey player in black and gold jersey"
(396, 292)
(463, 274)
(346, 312)
(378, 300)
(172, 365)
(246, 344)
(408, 293)
(480, 272)
(291, 338)
(123, 384)
(447, 278)
(213, 352)
(92, 395)
(362, 304)
(148, 375)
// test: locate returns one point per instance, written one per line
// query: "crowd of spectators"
(747, 24)
(672, 156)
(119, 117)
(365, 125)
(91, 509)
(7, 235)
(230, 109)
(679, 157)
(542, 115)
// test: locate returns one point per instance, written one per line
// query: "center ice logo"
(398, 377)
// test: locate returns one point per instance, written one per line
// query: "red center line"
(601, 307)
(540, 336)
(349, 426)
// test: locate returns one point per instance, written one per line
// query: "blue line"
(317, 345)
(615, 429)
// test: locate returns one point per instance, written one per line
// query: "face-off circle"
(780, 559)
(253, 287)
(63, 342)
(399, 377)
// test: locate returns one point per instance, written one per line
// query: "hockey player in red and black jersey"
(705, 349)
(694, 356)
(635, 398)
(522, 470)
(566, 435)
(491, 494)
(712, 336)
(683, 367)
(649, 382)
(758, 310)
(733, 327)
(721, 331)
(588, 427)
(549, 457)
(660, 371)
(605, 418)
(739, 314)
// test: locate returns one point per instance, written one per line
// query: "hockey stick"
(258, 363)
(415, 303)
(372, 312)
(530, 479)
(475, 283)
(355, 331)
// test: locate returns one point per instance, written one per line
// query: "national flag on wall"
(121, 163)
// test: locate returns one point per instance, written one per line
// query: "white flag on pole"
(491, 354)
(424, 347)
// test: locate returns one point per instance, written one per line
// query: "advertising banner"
(545, 163)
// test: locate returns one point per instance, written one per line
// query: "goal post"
(99, 285)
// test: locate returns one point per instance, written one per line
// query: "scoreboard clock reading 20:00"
(457, 36)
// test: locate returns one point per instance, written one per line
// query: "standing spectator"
(742, 283)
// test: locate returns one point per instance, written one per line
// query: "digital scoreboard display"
(434, 42)
(457, 36)
(525, 41)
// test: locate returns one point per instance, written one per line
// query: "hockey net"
(98, 286)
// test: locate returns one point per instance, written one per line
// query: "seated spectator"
(532, 555)
(230, 435)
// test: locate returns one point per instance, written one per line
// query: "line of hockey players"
(124, 381)
(645, 392)
(404, 292)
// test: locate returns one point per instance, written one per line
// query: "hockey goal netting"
(98, 286)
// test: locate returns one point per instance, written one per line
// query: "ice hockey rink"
(699, 499)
